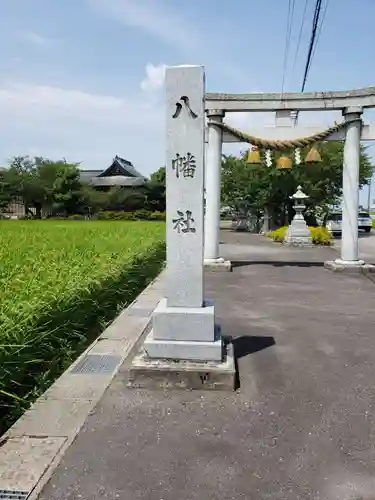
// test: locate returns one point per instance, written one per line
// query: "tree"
(94, 200)
(155, 190)
(22, 177)
(251, 188)
(159, 176)
(125, 199)
(5, 194)
(43, 183)
(66, 189)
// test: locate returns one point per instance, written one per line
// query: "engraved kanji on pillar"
(185, 184)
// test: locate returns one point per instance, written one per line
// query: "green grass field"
(61, 282)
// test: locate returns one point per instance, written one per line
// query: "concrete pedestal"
(183, 349)
(218, 265)
(349, 266)
(298, 234)
(184, 324)
(148, 373)
(184, 333)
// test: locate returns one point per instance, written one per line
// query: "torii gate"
(351, 103)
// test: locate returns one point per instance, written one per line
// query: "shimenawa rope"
(280, 145)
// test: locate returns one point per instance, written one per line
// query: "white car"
(333, 222)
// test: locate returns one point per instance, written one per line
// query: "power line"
(317, 10)
(300, 35)
(320, 30)
(314, 39)
(289, 23)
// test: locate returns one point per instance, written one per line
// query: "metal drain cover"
(96, 364)
(13, 495)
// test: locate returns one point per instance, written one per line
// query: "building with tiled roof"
(120, 173)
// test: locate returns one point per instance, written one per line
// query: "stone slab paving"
(301, 425)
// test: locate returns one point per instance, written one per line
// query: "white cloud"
(153, 18)
(245, 120)
(58, 104)
(155, 76)
(81, 126)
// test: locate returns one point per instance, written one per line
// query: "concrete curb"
(33, 447)
(367, 270)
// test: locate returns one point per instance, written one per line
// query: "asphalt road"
(366, 246)
(301, 426)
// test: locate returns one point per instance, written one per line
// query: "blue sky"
(82, 79)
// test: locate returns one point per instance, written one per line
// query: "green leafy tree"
(251, 188)
(5, 194)
(94, 200)
(158, 177)
(43, 183)
(154, 196)
(125, 199)
(22, 177)
(67, 190)
(155, 191)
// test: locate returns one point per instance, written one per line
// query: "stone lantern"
(298, 231)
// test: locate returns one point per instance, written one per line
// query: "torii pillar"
(349, 259)
(212, 258)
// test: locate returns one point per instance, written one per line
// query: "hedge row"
(319, 235)
(107, 215)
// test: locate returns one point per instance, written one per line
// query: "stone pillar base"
(148, 373)
(183, 349)
(300, 241)
(298, 235)
(218, 264)
(349, 266)
(184, 333)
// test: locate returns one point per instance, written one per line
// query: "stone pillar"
(213, 191)
(349, 260)
(266, 221)
(350, 185)
(183, 322)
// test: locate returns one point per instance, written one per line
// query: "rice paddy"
(61, 282)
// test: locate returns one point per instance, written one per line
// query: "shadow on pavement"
(275, 263)
(245, 345)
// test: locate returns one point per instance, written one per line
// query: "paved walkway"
(301, 426)
(366, 246)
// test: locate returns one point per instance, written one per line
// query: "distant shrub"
(142, 214)
(137, 215)
(108, 215)
(279, 234)
(319, 235)
(158, 216)
(26, 217)
(76, 217)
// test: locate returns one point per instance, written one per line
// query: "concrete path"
(366, 244)
(302, 424)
